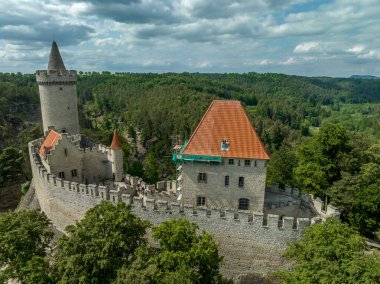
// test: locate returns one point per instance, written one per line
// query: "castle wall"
(97, 167)
(66, 157)
(249, 241)
(92, 164)
(58, 98)
(215, 191)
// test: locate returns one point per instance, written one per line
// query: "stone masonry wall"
(58, 98)
(66, 157)
(249, 241)
(215, 191)
(92, 164)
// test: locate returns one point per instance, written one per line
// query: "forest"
(153, 108)
(322, 135)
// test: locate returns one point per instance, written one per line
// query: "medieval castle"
(220, 183)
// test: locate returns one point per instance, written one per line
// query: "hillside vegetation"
(287, 112)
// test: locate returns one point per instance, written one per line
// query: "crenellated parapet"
(263, 228)
(56, 77)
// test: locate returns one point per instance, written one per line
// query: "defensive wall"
(249, 241)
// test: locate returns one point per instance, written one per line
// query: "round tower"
(117, 157)
(58, 95)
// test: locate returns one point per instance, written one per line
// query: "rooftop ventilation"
(224, 145)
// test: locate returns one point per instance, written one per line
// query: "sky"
(335, 38)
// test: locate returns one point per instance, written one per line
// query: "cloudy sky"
(302, 37)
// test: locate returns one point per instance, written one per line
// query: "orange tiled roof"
(226, 120)
(50, 141)
(116, 143)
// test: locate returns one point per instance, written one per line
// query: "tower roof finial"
(55, 59)
(116, 143)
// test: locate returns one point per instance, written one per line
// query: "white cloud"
(307, 47)
(372, 54)
(357, 49)
(191, 35)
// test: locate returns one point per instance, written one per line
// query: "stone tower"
(116, 157)
(58, 95)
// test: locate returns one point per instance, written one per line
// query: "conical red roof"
(116, 143)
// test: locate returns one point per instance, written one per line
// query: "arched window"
(243, 204)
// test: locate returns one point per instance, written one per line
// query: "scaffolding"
(179, 158)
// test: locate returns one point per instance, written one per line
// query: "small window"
(255, 163)
(239, 163)
(61, 175)
(230, 161)
(65, 152)
(241, 181)
(68, 107)
(202, 177)
(224, 145)
(243, 204)
(247, 163)
(227, 180)
(60, 88)
(201, 201)
(74, 173)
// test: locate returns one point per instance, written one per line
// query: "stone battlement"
(59, 77)
(246, 239)
(57, 73)
(156, 209)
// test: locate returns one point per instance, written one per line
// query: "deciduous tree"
(320, 159)
(184, 256)
(331, 252)
(24, 238)
(105, 240)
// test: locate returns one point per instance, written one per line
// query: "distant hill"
(363, 77)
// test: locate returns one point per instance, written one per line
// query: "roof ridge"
(226, 119)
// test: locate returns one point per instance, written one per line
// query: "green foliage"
(358, 198)
(183, 257)
(24, 238)
(25, 187)
(281, 167)
(331, 252)
(151, 169)
(105, 240)
(10, 165)
(136, 169)
(37, 270)
(159, 105)
(320, 159)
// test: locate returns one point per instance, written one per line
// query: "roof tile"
(50, 141)
(226, 120)
(116, 143)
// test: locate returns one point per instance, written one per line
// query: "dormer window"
(224, 145)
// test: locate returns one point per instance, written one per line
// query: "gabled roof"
(50, 141)
(226, 120)
(55, 59)
(116, 143)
